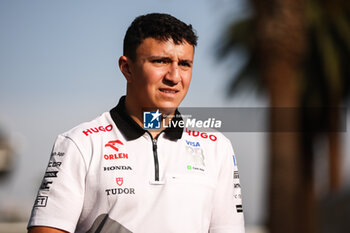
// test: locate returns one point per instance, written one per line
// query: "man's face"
(161, 74)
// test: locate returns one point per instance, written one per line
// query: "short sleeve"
(227, 213)
(61, 194)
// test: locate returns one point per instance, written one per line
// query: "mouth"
(169, 91)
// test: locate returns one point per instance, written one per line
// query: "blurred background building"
(58, 68)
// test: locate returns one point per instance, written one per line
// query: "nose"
(173, 76)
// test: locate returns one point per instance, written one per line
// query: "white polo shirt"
(110, 175)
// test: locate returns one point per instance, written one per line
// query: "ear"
(124, 66)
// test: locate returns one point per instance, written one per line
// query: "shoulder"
(84, 138)
(87, 134)
(102, 123)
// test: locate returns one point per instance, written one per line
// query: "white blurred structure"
(6, 155)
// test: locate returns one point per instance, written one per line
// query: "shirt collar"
(131, 130)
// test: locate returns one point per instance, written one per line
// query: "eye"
(162, 60)
(159, 61)
(185, 63)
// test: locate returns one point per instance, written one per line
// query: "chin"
(167, 108)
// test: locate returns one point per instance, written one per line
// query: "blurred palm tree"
(298, 53)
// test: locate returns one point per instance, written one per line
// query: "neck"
(136, 113)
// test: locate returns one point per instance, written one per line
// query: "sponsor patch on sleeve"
(41, 201)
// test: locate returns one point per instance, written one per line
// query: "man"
(112, 175)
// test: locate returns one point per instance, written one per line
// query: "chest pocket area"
(191, 187)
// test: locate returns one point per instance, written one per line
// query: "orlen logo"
(202, 135)
(113, 143)
(116, 156)
(98, 129)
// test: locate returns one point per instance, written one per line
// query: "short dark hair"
(158, 26)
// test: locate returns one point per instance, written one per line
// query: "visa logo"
(195, 144)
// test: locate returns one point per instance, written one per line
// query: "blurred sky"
(58, 68)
